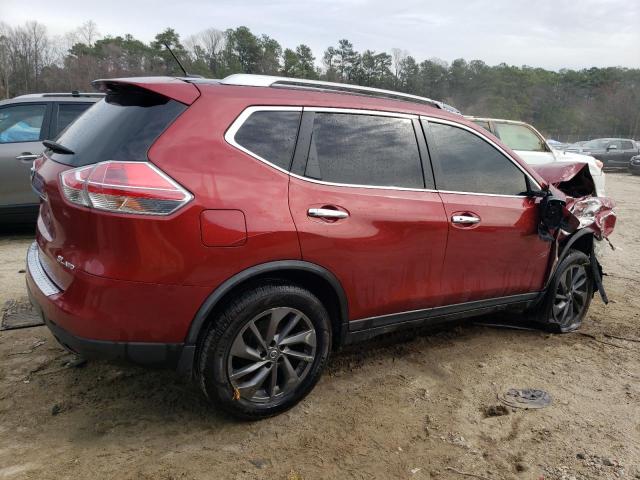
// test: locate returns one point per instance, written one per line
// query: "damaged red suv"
(238, 230)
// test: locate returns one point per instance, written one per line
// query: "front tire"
(569, 294)
(266, 351)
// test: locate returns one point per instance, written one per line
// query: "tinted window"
(123, 126)
(270, 135)
(21, 123)
(364, 150)
(597, 144)
(519, 137)
(463, 162)
(627, 145)
(67, 113)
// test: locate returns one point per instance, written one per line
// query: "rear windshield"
(122, 126)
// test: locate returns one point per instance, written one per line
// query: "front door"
(493, 248)
(362, 211)
(21, 135)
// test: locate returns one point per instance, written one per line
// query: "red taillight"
(125, 187)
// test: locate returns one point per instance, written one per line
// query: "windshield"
(520, 137)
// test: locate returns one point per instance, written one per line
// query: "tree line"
(566, 104)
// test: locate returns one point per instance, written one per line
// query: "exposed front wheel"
(569, 294)
(266, 351)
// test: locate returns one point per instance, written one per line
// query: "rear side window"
(21, 123)
(463, 162)
(271, 135)
(627, 145)
(67, 113)
(122, 126)
(364, 150)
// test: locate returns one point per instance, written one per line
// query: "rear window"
(67, 113)
(122, 126)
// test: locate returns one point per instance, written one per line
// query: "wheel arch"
(315, 278)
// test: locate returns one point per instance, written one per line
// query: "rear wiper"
(56, 147)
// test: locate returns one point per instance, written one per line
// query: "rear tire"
(569, 294)
(266, 351)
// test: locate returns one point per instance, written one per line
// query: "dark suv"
(26, 121)
(613, 152)
(240, 229)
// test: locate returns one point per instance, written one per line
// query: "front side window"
(21, 123)
(271, 135)
(464, 162)
(627, 145)
(364, 150)
(519, 137)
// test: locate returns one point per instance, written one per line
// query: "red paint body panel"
(500, 256)
(387, 254)
(223, 228)
(114, 310)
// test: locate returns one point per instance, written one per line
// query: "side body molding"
(276, 266)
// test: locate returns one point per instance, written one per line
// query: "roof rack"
(72, 94)
(285, 82)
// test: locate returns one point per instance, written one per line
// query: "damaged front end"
(569, 207)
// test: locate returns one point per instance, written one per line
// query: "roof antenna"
(166, 45)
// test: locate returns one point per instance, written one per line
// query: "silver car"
(25, 122)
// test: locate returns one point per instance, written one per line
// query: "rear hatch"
(109, 142)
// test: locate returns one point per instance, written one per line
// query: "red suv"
(239, 229)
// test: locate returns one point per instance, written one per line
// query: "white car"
(532, 147)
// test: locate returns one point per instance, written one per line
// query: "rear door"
(23, 126)
(362, 208)
(493, 247)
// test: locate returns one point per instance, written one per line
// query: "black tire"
(563, 316)
(253, 310)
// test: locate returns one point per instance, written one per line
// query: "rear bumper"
(115, 320)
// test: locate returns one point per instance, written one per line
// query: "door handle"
(465, 219)
(326, 213)
(27, 157)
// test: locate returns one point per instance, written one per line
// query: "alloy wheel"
(271, 355)
(571, 296)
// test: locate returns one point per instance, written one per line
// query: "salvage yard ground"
(408, 408)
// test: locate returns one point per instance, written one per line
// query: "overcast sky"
(546, 33)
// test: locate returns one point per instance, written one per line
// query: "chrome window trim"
(230, 134)
(490, 142)
(229, 137)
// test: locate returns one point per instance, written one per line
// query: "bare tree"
(88, 32)
(398, 56)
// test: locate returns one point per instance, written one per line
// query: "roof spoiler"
(169, 87)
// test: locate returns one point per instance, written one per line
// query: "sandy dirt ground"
(410, 407)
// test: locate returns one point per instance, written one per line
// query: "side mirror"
(612, 147)
(551, 211)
